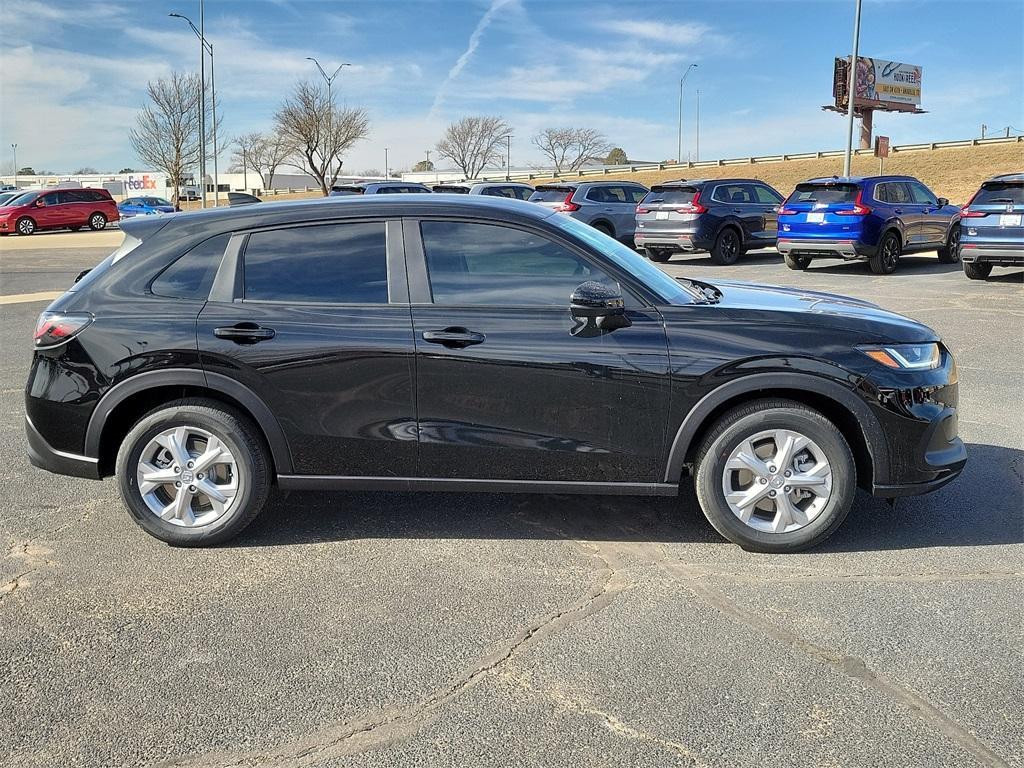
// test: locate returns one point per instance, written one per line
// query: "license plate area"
(1009, 220)
(815, 218)
(661, 215)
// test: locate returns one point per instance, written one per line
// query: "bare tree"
(262, 154)
(569, 148)
(317, 132)
(473, 142)
(166, 133)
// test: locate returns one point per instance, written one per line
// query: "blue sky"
(73, 73)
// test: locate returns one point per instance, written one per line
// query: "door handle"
(897, 210)
(244, 333)
(454, 338)
(737, 210)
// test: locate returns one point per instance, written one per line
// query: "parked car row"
(35, 210)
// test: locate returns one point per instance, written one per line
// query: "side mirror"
(597, 307)
(943, 202)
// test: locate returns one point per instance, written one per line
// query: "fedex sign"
(143, 183)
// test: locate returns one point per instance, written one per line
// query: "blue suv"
(875, 218)
(992, 226)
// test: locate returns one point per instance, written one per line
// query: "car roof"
(1006, 177)
(701, 182)
(224, 219)
(856, 179)
(499, 184)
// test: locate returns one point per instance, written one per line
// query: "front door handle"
(897, 210)
(244, 333)
(454, 338)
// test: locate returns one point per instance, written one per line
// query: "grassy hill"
(954, 172)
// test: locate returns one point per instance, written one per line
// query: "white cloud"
(685, 34)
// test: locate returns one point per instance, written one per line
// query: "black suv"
(722, 216)
(470, 343)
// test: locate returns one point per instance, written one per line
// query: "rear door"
(315, 320)
(768, 202)
(737, 199)
(633, 194)
(996, 214)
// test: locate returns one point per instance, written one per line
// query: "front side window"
(922, 195)
(51, 198)
(766, 195)
(634, 194)
(323, 264)
(191, 276)
(492, 265)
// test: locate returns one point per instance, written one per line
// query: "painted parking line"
(25, 298)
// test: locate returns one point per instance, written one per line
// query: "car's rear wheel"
(796, 262)
(604, 229)
(775, 476)
(97, 221)
(25, 226)
(659, 254)
(884, 262)
(951, 253)
(193, 473)
(977, 271)
(727, 247)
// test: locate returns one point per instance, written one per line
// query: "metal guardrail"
(607, 170)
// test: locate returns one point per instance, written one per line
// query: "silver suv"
(509, 189)
(608, 206)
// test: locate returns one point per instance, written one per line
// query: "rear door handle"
(454, 338)
(244, 333)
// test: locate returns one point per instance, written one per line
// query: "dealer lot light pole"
(14, 149)
(329, 79)
(205, 46)
(851, 93)
(679, 145)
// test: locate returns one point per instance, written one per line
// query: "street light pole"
(205, 46)
(508, 157)
(696, 150)
(14, 148)
(679, 146)
(330, 97)
(851, 93)
(387, 175)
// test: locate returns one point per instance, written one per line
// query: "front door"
(509, 387)
(319, 328)
(934, 221)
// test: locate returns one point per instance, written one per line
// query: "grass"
(955, 172)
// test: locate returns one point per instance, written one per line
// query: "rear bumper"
(41, 454)
(669, 240)
(1000, 255)
(826, 249)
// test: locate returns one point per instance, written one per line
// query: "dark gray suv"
(722, 216)
(608, 206)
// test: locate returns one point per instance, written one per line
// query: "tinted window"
(921, 194)
(671, 195)
(1000, 192)
(607, 195)
(335, 263)
(155, 201)
(492, 265)
(70, 196)
(825, 193)
(634, 194)
(191, 276)
(766, 195)
(522, 193)
(733, 193)
(895, 192)
(51, 198)
(97, 195)
(550, 195)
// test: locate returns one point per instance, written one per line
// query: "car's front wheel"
(977, 271)
(193, 472)
(25, 226)
(775, 476)
(884, 262)
(951, 253)
(97, 221)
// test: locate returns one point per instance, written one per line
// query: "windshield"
(550, 195)
(23, 199)
(672, 195)
(155, 201)
(669, 290)
(1000, 192)
(824, 193)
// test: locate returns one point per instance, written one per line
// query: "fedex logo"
(146, 182)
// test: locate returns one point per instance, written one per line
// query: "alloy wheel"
(777, 481)
(954, 245)
(188, 477)
(890, 253)
(98, 221)
(26, 227)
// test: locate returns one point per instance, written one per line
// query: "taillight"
(693, 206)
(784, 211)
(53, 328)
(968, 214)
(859, 209)
(641, 209)
(567, 205)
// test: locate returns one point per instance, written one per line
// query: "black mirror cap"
(594, 299)
(943, 202)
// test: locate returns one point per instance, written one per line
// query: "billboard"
(880, 84)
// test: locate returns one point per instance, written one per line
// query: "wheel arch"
(604, 223)
(121, 407)
(734, 224)
(851, 416)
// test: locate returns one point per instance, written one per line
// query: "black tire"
(240, 437)
(977, 270)
(74, 228)
(727, 248)
(604, 229)
(741, 424)
(888, 256)
(659, 254)
(950, 254)
(97, 221)
(796, 262)
(26, 225)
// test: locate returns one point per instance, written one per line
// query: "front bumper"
(41, 454)
(826, 249)
(999, 254)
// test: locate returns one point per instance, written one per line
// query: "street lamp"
(205, 46)
(387, 175)
(14, 148)
(508, 156)
(682, 81)
(329, 79)
(851, 93)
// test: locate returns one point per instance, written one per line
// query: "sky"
(73, 73)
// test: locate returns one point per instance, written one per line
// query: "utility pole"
(696, 149)
(679, 143)
(508, 157)
(983, 129)
(14, 148)
(387, 175)
(851, 93)
(245, 170)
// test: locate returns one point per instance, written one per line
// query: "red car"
(58, 209)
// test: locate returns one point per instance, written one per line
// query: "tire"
(950, 254)
(604, 229)
(977, 271)
(889, 249)
(25, 226)
(796, 262)
(727, 247)
(97, 221)
(242, 481)
(75, 228)
(814, 516)
(659, 254)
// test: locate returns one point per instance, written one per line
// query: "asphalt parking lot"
(373, 629)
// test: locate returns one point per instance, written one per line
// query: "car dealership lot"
(398, 629)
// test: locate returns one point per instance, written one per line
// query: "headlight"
(915, 357)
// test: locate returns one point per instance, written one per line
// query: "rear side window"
(733, 193)
(324, 264)
(550, 195)
(607, 195)
(895, 192)
(671, 195)
(191, 275)
(1000, 192)
(825, 193)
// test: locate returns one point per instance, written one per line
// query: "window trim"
(158, 275)
(750, 191)
(421, 295)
